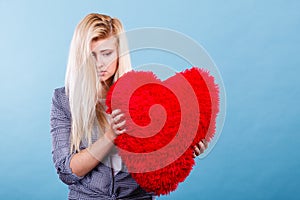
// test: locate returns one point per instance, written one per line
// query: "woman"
(82, 133)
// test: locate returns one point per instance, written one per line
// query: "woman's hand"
(200, 148)
(117, 124)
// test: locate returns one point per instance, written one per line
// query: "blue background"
(255, 45)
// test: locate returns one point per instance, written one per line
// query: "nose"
(99, 63)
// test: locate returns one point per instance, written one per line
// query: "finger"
(118, 118)
(205, 143)
(201, 147)
(194, 155)
(120, 125)
(119, 132)
(115, 112)
(197, 151)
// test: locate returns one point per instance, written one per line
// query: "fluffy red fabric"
(165, 120)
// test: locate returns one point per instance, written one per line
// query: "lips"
(102, 73)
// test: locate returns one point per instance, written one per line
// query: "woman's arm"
(71, 167)
(87, 159)
(84, 161)
(60, 129)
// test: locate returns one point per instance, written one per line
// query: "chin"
(106, 79)
(103, 78)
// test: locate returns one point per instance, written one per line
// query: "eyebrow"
(104, 50)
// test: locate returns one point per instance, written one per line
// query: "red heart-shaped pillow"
(165, 120)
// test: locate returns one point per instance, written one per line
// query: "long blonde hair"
(81, 82)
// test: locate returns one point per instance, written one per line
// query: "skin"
(105, 53)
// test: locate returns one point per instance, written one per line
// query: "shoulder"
(59, 93)
(60, 99)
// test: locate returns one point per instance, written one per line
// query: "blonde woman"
(82, 133)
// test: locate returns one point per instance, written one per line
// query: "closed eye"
(107, 54)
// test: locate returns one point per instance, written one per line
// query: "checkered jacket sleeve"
(60, 123)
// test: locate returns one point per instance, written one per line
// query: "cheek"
(114, 66)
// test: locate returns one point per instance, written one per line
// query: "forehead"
(103, 44)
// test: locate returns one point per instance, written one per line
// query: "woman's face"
(105, 53)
